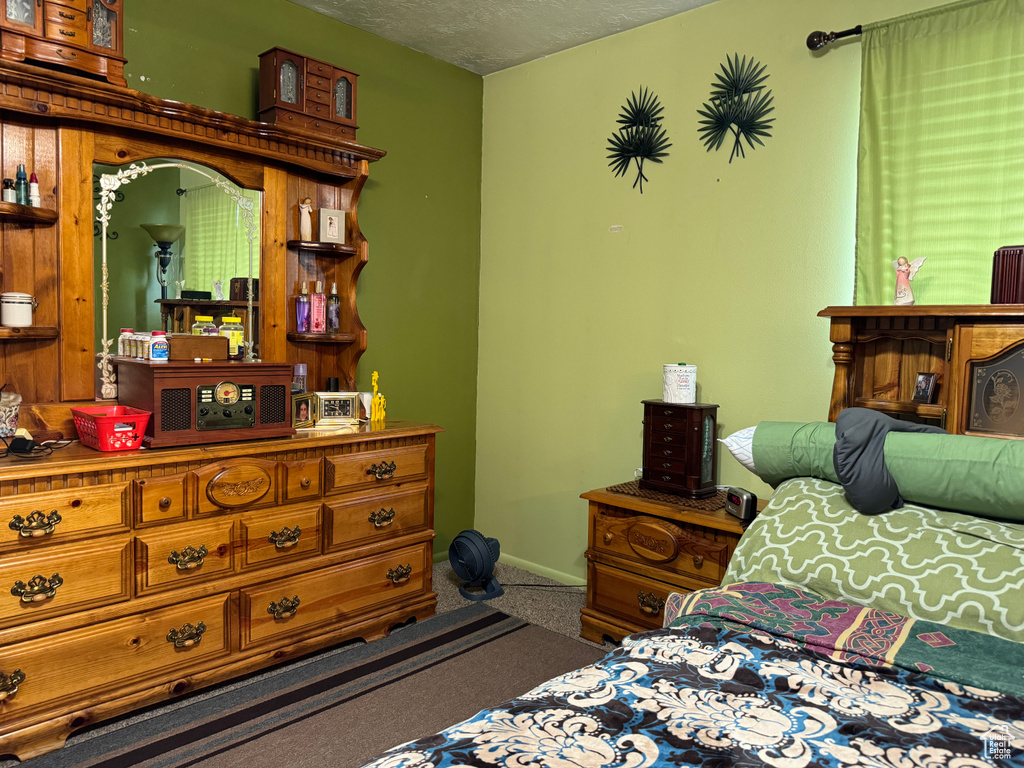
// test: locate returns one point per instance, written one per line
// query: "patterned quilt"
(767, 676)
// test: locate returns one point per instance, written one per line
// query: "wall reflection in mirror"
(174, 240)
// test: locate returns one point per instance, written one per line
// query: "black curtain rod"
(818, 40)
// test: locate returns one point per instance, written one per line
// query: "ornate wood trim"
(32, 90)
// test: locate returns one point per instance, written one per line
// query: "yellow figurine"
(378, 404)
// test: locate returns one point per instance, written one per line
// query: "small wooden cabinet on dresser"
(82, 35)
(139, 576)
(679, 448)
(642, 545)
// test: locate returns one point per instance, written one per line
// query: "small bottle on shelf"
(333, 310)
(302, 310)
(21, 186)
(318, 310)
(33, 191)
(9, 195)
(299, 379)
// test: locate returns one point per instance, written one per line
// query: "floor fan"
(473, 557)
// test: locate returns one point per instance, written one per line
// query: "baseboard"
(540, 570)
(526, 565)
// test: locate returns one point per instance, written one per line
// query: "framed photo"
(332, 225)
(925, 388)
(336, 408)
(304, 410)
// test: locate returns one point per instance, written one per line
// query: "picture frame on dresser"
(304, 410)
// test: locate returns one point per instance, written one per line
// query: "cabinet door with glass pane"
(343, 97)
(23, 16)
(105, 29)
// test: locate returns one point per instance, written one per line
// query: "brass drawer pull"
(187, 636)
(286, 538)
(650, 603)
(384, 471)
(68, 16)
(36, 524)
(667, 438)
(39, 588)
(285, 609)
(401, 574)
(383, 518)
(668, 425)
(608, 538)
(188, 558)
(67, 57)
(9, 683)
(305, 483)
(698, 561)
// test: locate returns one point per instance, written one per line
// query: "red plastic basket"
(111, 427)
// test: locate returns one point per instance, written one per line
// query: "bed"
(887, 638)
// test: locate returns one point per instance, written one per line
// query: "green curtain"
(941, 157)
(217, 244)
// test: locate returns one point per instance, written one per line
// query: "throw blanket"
(725, 690)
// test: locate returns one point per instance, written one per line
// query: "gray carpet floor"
(545, 603)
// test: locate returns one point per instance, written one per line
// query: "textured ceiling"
(485, 36)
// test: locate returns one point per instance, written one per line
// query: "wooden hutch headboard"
(977, 352)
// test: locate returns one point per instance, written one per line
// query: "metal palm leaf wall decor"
(739, 105)
(639, 137)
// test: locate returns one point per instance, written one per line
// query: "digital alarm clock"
(741, 503)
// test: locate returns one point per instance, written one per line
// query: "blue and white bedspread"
(715, 692)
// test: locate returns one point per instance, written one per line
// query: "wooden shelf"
(323, 338)
(924, 410)
(337, 249)
(30, 333)
(27, 214)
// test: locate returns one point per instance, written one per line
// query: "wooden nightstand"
(644, 544)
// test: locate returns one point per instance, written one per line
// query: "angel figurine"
(905, 271)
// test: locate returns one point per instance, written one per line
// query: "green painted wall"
(587, 288)
(420, 209)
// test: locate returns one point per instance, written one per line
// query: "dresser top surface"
(79, 458)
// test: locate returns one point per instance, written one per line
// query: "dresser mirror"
(172, 234)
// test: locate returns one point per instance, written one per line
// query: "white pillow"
(740, 445)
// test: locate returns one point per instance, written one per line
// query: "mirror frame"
(109, 185)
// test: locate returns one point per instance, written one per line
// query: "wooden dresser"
(641, 547)
(139, 576)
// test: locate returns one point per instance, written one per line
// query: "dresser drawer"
(276, 535)
(363, 518)
(63, 579)
(113, 655)
(637, 600)
(236, 484)
(661, 544)
(159, 499)
(301, 479)
(177, 555)
(316, 98)
(374, 468)
(333, 595)
(62, 515)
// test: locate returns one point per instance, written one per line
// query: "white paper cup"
(680, 384)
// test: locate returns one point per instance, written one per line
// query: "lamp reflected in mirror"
(164, 235)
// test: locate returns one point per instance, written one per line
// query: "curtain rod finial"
(817, 40)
